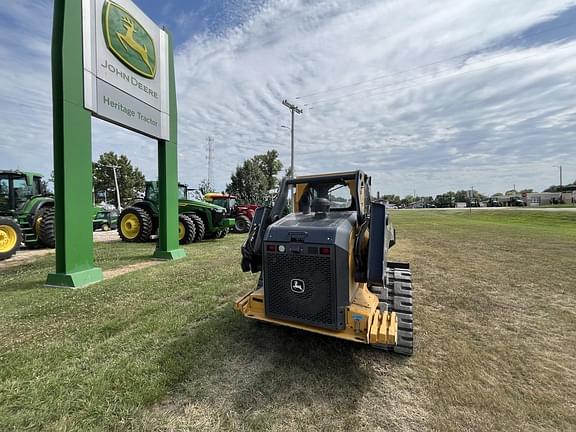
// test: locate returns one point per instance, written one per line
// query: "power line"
(402, 72)
(436, 78)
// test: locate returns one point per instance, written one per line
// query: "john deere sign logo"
(128, 40)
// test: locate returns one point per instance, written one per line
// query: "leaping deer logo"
(128, 40)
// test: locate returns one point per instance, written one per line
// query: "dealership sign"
(125, 57)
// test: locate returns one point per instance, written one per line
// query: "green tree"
(249, 183)
(391, 199)
(445, 200)
(461, 196)
(270, 165)
(205, 187)
(553, 188)
(131, 181)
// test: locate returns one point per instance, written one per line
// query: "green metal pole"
(72, 153)
(168, 246)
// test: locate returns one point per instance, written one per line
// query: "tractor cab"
(151, 193)
(182, 191)
(17, 188)
(223, 200)
(26, 212)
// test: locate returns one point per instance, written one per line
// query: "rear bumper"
(380, 330)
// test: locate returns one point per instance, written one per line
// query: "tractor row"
(27, 215)
(197, 220)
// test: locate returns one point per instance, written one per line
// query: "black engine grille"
(316, 304)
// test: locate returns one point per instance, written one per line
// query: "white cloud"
(499, 117)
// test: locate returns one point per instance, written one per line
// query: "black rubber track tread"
(246, 222)
(47, 232)
(396, 296)
(145, 225)
(222, 234)
(189, 229)
(399, 284)
(12, 223)
(200, 227)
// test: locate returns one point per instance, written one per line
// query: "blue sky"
(422, 95)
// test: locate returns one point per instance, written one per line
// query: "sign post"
(111, 61)
(168, 179)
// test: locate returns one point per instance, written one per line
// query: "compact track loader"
(323, 266)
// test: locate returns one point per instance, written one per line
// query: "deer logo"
(128, 40)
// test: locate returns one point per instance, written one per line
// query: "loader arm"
(263, 217)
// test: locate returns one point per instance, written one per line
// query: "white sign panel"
(125, 67)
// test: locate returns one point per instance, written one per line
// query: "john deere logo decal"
(297, 286)
(128, 40)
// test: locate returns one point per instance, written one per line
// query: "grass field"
(161, 349)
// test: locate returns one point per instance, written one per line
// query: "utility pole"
(560, 167)
(210, 157)
(116, 185)
(292, 108)
(114, 167)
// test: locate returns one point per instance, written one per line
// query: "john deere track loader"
(324, 268)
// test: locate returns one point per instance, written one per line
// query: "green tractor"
(26, 213)
(198, 220)
(104, 219)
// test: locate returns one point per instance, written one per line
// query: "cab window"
(338, 194)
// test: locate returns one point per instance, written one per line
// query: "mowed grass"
(162, 349)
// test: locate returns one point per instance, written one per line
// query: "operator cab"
(16, 188)
(151, 193)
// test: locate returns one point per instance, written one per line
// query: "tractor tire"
(10, 238)
(200, 227)
(134, 225)
(222, 234)
(242, 224)
(186, 229)
(47, 227)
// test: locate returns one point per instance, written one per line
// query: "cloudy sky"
(425, 96)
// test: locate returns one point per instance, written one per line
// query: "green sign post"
(168, 245)
(78, 92)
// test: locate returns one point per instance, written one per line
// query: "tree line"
(254, 181)
(251, 182)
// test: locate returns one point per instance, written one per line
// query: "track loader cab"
(324, 265)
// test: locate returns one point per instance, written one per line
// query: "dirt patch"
(106, 236)
(109, 274)
(24, 255)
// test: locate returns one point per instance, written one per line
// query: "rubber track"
(397, 296)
